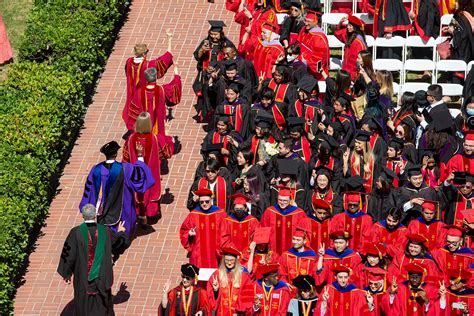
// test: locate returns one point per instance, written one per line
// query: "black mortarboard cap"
(459, 177)
(235, 86)
(110, 148)
(373, 123)
(327, 141)
(264, 119)
(414, 170)
(470, 177)
(440, 122)
(230, 64)
(420, 98)
(213, 63)
(388, 175)
(396, 143)
(295, 121)
(216, 25)
(190, 270)
(323, 170)
(362, 135)
(307, 83)
(409, 122)
(208, 148)
(296, 3)
(354, 184)
(345, 99)
(304, 282)
(224, 117)
(287, 167)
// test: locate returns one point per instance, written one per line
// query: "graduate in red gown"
(299, 259)
(453, 255)
(242, 225)
(135, 71)
(148, 203)
(154, 98)
(341, 298)
(271, 295)
(353, 220)
(463, 161)
(458, 298)
(340, 254)
(376, 290)
(389, 232)
(227, 283)
(414, 296)
(187, 298)
(427, 225)
(354, 37)
(320, 221)
(259, 252)
(458, 189)
(283, 218)
(199, 232)
(373, 258)
(314, 45)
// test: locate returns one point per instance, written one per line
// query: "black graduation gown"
(290, 25)
(74, 261)
(252, 172)
(428, 21)
(232, 160)
(301, 167)
(451, 194)
(290, 94)
(245, 126)
(200, 172)
(336, 202)
(463, 39)
(258, 207)
(378, 204)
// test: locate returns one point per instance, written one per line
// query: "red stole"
(217, 139)
(207, 60)
(310, 113)
(279, 89)
(279, 118)
(220, 191)
(355, 171)
(328, 197)
(395, 168)
(254, 146)
(305, 148)
(237, 109)
(329, 165)
(299, 108)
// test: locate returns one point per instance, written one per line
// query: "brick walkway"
(149, 262)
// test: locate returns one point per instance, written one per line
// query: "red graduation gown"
(459, 163)
(242, 231)
(433, 231)
(258, 19)
(319, 232)
(176, 303)
(294, 263)
(265, 55)
(348, 258)
(457, 260)
(314, 47)
(344, 301)
(205, 247)
(391, 239)
(227, 298)
(136, 80)
(359, 225)
(351, 52)
(466, 296)
(147, 204)
(258, 260)
(273, 302)
(397, 267)
(404, 305)
(282, 224)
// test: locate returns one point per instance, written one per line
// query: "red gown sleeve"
(173, 91)
(232, 5)
(212, 300)
(162, 64)
(341, 34)
(186, 241)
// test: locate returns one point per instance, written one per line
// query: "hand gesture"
(411, 15)
(215, 74)
(195, 197)
(423, 296)
(425, 161)
(417, 200)
(420, 118)
(67, 280)
(169, 34)
(466, 308)
(192, 231)
(326, 294)
(321, 127)
(139, 149)
(121, 227)
(321, 250)
(388, 35)
(256, 302)
(252, 246)
(175, 68)
(369, 298)
(394, 287)
(166, 287)
(450, 177)
(215, 284)
(442, 289)
(261, 77)
(280, 57)
(346, 154)
(198, 313)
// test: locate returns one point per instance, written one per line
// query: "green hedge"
(42, 104)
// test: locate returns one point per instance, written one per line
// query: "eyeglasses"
(398, 132)
(465, 186)
(353, 204)
(239, 209)
(204, 201)
(211, 171)
(185, 277)
(452, 242)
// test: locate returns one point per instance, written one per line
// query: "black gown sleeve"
(67, 260)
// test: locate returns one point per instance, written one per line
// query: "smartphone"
(206, 43)
(319, 66)
(457, 305)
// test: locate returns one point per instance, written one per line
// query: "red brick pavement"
(150, 261)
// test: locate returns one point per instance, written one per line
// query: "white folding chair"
(413, 87)
(396, 88)
(281, 17)
(445, 20)
(418, 64)
(365, 17)
(418, 42)
(370, 41)
(469, 66)
(335, 63)
(452, 89)
(393, 65)
(450, 65)
(439, 40)
(334, 43)
(454, 113)
(331, 19)
(322, 86)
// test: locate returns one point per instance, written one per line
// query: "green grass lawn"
(14, 13)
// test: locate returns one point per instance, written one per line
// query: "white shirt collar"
(138, 60)
(90, 221)
(110, 161)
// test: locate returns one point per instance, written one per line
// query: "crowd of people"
(342, 201)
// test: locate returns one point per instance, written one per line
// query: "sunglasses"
(185, 277)
(353, 204)
(211, 171)
(205, 202)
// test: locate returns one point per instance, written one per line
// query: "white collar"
(110, 161)
(138, 60)
(90, 221)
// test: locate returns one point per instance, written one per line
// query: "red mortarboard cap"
(375, 249)
(231, 250)
(352, 197)
(240, 198)
(312, 15)
(376, 274)
(454, 230)
(320, 203)
(469, 135)
(340, 235)
(415, 268)
(459, 274)
(262, 235)
(341, 268)
(284, 191)
(430, 205)
(268, 268)
(468, 215)
(203, 192)
(300, 231)
(356, 21)
(270, 26)
(417, 238)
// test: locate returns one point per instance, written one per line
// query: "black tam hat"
(216, 26)
(110, 148)
(190, 270)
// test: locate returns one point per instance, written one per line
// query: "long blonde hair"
(367, 157)
(385, 80)
(236, 274)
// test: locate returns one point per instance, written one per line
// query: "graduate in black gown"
(85, 243)
(306, 299)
